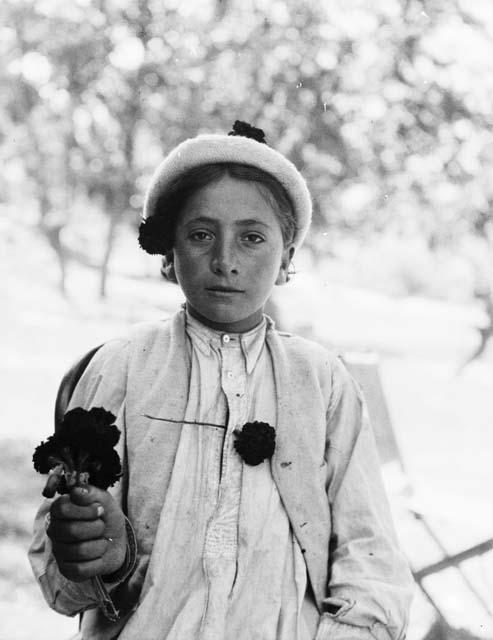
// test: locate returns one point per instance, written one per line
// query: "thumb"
(87, 494)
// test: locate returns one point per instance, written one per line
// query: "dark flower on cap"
(80, 452)
(247, 131)
(255, 442)
(152, 234)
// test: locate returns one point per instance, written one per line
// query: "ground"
(442, 418)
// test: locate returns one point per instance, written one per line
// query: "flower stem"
(54, 478)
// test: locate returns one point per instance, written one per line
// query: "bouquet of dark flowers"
(80, 452)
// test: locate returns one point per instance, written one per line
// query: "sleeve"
(370, 584)
(102, 384)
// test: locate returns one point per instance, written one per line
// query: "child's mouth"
(223, 291)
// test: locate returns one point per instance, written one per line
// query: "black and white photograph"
(247, 320)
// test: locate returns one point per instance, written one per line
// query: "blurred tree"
(387, 117)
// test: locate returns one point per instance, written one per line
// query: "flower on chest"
(255, 442)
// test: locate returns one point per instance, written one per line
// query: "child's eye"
(200, 235)
(253, 238)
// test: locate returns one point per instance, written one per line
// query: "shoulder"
(115, 353)
(144, 333)
(326, 364)
(152, 331)
(307, 351)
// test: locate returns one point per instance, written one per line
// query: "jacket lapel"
(298, 464)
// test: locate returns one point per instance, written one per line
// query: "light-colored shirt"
(325, 468)
(225, 563)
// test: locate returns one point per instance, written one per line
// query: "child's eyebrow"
(250, 221)
(199, 219)
(242, 223)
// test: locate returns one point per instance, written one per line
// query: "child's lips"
(224, 291)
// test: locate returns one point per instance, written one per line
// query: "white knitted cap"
(214, 148)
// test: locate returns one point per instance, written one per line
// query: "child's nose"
(224, 259)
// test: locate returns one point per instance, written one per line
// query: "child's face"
(228, 253)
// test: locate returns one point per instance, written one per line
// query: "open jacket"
(325, 466)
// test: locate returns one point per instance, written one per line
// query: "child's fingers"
(79, 571)
(88, 494)
(72, 531)
(81, 551)
(67, 510)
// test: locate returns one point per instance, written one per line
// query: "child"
(210, 534)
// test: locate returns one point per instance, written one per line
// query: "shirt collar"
(207, 339)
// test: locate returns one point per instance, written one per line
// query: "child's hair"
(171, 202)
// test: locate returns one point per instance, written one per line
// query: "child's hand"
(87, 530)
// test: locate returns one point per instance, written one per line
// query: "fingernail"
(100, 510)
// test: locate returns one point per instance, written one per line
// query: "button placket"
(233, 382)
(221, 542)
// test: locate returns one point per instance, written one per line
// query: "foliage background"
(386, 109)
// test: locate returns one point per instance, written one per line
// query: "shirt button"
(226, 338)
(229, 374)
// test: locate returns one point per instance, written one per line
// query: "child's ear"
(287, 256)
(168, 266)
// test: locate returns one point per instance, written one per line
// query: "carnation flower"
(247, 131)
(255, 442)
(152, 234)
(80, 452)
